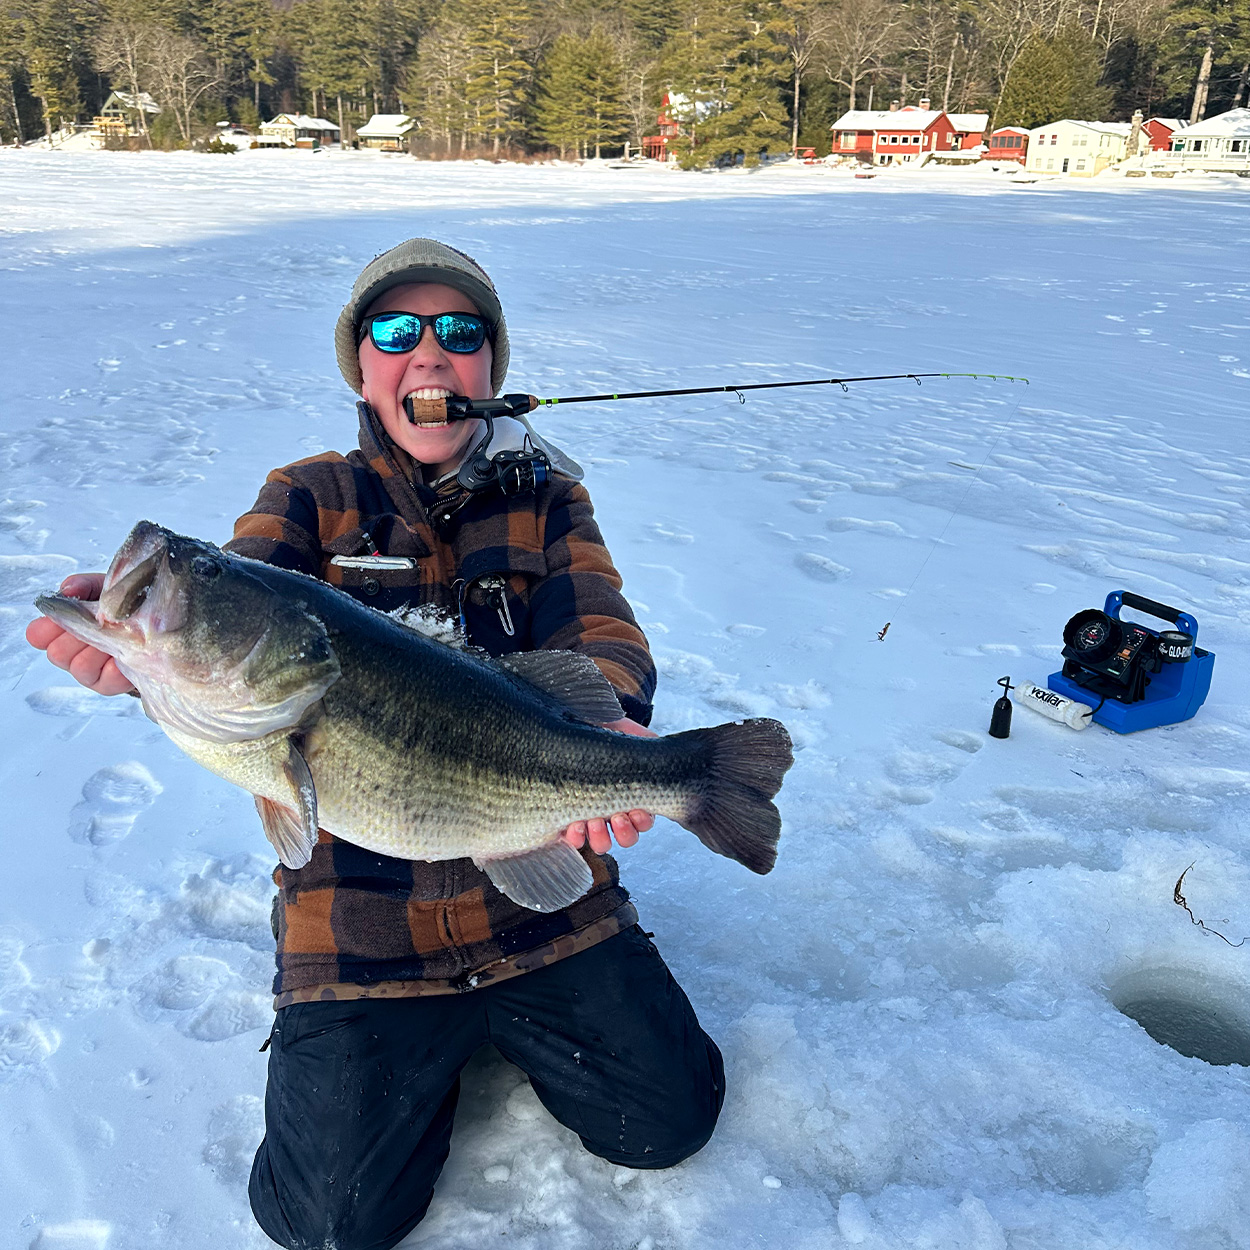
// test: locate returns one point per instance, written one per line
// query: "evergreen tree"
(12, 69)
(58, 58)
(498, 73)
(754, 119)
(441, 74)
(1053, 79)
(1208, 28)
(728, 67)
(580, 101)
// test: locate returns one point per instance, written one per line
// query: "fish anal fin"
(572, 679)
(543, 880)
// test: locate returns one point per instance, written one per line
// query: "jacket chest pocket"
(494, 603)
(386, 578)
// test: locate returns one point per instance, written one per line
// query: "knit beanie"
(419, 260)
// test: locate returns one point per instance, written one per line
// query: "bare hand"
(86, 664)
(624, 826)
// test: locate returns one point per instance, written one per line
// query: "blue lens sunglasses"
(399, 332)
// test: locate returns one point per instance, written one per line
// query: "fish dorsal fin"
(543, 880)
(292, 830)
(572, 679)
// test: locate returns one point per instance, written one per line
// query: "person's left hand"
(624, 826)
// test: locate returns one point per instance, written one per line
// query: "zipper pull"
(497, 596)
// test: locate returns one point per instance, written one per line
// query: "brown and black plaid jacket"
(522, 573)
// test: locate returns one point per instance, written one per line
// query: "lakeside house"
(1079, 149)
(1007, 143)
(656, 147)
(387, 132)
(1220, 144)
(298, 130)
(119, 118)
(1160, 131)
(907, 135)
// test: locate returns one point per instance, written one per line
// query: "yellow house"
(1080, 149)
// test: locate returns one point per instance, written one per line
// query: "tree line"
(586, 77)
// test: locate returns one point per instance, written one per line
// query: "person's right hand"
(86, 664)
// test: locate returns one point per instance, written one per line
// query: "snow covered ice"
(920, 1007)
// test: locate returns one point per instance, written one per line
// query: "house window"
(1197, 145)
(1053, 140)
(892, 139)
(1050, 164)
(1081, 163)
(846, 139)
(1064, 170)
(1236, 145)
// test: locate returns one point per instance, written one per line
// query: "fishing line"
(1003, 428)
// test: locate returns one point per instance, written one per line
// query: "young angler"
(391, 973)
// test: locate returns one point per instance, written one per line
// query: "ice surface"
(920, 1007)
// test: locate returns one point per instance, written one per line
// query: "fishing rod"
(459, 408)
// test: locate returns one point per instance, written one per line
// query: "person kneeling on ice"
(392, 973)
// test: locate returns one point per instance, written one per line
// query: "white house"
(1220, 144)
(388, 132)
(1080, 149)
(297, 130)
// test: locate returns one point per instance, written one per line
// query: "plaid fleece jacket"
(523, 573)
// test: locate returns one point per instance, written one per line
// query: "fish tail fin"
(732, 812)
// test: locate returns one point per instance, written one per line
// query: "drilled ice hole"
(1193, 1013)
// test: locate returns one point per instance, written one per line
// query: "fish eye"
(203, 566)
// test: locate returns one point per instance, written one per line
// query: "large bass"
(336, 716)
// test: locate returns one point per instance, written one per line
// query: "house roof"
(127, 100)
(970, 123)
(1172, 123)
(887, 119)
(1011, 130)
(1103, 128)
(301, 121)
(1236, 122)
(382, 124)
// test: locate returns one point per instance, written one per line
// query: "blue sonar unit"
(1134, 677)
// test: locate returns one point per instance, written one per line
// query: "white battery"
(1071, 713)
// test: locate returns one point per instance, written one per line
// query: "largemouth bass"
(335, 716)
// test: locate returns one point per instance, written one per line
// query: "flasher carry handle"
(1182, 620)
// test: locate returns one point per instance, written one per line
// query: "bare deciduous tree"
(123, 49)
(808, 25)
(183, 74)
(864, 34)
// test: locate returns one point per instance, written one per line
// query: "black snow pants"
(361, 1094)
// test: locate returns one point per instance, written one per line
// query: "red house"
(1161, 131)
(1007, 143)
(655, 147)
(899, 136)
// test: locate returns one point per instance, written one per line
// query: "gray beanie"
(420, 260)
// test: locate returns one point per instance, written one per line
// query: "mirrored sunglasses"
(398, 332)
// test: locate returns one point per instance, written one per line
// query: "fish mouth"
(133, 573)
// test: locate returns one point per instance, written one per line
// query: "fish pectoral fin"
(543, 880)
(285, 832)
(292, 830)
(572, 679)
